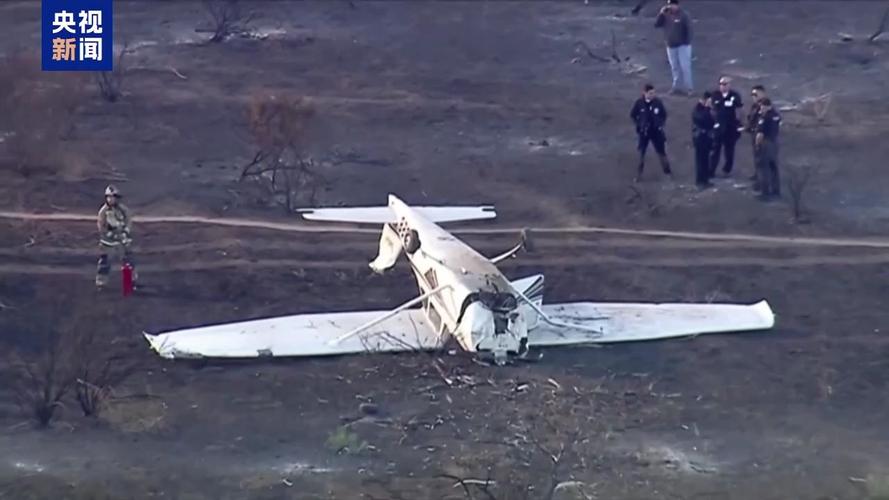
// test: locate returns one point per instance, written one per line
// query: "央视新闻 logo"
(77, 35)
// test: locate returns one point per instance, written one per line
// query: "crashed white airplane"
(463, 296)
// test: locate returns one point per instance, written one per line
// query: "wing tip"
(764, 310)
(156, 345)
(150, 338)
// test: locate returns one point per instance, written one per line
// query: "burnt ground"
(449, 103)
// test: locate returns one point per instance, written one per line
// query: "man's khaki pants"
(121, 251)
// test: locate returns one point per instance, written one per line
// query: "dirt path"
(323, 228)
(84, 266)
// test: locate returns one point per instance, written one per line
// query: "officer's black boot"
(729, 148)
(758, 178)
(639, 168)
(714, 159)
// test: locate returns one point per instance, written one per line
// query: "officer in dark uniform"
(766, 143)
(726, 103)
(650, 115)
(702, 124)
(758, 93)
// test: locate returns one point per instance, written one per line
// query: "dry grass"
(132, 415)
(38, 115)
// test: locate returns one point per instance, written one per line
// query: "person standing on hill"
(766, 143)
(677, 33)
(726, 106)
(650, 116)
(702, 138)
(758, 93)
(115, 235)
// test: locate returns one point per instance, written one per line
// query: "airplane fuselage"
(469, 298)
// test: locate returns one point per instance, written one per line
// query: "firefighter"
(758, 93)
(650, 116)
(115, 235)
(766, 142)
(726, 103)
(702, 138)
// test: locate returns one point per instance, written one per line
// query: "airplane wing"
(385, 215)
(627, 322)
(299, 335)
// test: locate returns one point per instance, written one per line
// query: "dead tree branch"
(580, 44)
(278, 127)
(482, 485)
(651, 203)
(626, 67)
(42, 380)
(69, 358)
(227, 19)
(462, 483)
(247, 169)
(557, 458)
(798, 180)
(884, 21)
(614, 55)
(99, 367)
(110, 83)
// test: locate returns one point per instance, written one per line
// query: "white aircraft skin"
(464, 297)
(469, 299)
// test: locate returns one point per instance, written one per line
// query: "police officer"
(766, 144)
(650, 116)
(726, 104)
(758, 93)
(115, 229)
(702, 124)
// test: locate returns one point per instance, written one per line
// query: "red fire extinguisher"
(126, 273)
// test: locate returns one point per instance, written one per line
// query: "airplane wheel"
(412, 241)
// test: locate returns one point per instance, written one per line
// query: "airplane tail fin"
(387, 215)
(391, 248)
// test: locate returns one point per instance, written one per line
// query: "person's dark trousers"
(757, 183)
(724, 141)
(659, 141)
(703, 146)
(767, 171)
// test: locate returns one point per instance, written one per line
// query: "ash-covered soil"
(450, 103)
